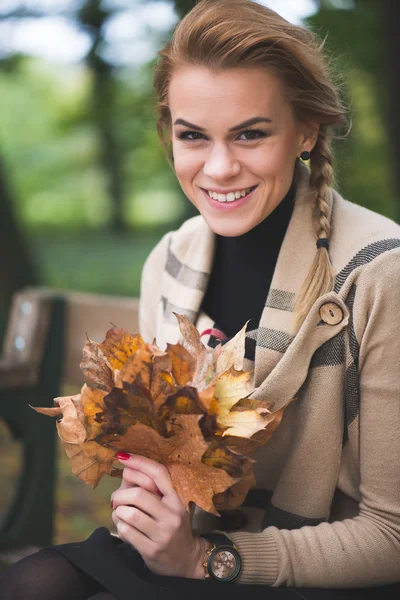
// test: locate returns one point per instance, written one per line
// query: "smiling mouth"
(231, 196)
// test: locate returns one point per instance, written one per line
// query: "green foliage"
(51, 145)
(363, 162)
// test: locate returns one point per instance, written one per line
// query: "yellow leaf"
(119, 345)
(231, 387)
(231, 354)
(246, 423)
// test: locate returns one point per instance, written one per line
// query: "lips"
(229, 205)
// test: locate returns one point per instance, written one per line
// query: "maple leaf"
(89, 460)
(231, 387)
(231, 354)
(183, 363)
(204, 368)
(95, 366)
(119, 345)
(187, 407)
(193, 480)
(248, 446)
(234, 496)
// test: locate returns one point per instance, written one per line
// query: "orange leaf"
(181, 454)
(119, 345)
(183, 363)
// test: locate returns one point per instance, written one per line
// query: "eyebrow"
(247, 123)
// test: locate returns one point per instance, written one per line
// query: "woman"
(243, 97)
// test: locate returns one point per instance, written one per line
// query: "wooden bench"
(40, 361)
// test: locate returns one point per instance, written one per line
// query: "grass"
(96, 262)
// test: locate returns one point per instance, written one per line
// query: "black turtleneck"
(242, 271)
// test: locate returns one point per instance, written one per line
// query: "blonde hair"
(223, 34)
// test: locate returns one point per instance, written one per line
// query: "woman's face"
(235, 141)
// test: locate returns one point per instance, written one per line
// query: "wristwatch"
(222, 562)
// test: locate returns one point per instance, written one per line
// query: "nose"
(220, 164)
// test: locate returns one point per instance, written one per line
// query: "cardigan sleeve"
(365, 550)
(150, 288)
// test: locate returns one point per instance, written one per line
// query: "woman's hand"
(151, 517)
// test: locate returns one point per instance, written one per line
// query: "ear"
(310, 136)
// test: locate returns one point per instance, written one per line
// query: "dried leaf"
(92, 403)
(231, 354)
(204, 368)
(183, 363)
(89, 460)
(96, 367)
(119, 345)
(249, 446)
(193, 480)
(234, 496)
(231, 387)
(187, 407)
(246, 423)
(139, 365)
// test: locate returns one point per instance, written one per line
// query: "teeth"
(229, 197)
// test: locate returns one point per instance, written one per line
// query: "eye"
(252, 134)
(190, 136)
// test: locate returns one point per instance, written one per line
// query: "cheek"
(272, 161)
(187, 166)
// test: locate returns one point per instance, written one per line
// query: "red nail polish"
(112, 505)
(123, 455)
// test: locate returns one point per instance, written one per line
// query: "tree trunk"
(16, 267)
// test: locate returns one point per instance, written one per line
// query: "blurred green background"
(85, 190)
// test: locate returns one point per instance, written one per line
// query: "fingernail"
(123, 455)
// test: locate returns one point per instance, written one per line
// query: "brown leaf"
(185, 401)
(89, 460)
(49, 412)
(140, 365)
(204, 367)
(193, 480)
(183, 363)
(162, 381)
(234, 496)
(92, 403)
(126, 407)
(119, 345)
(219, 456)
(95, 366)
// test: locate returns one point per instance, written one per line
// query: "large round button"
(331, 313)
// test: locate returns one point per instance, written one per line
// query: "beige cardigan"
(333, 465)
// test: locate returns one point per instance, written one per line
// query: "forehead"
(229, 96)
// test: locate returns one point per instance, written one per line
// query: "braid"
(321, 276)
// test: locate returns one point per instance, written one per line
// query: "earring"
(305, 155)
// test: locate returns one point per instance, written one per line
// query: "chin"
(229, 229)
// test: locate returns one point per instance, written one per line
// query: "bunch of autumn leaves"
(187, 407)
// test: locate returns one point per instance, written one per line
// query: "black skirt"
(118, 567)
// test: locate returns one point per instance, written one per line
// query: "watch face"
(224, 564)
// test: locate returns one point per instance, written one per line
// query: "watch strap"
(218, 539)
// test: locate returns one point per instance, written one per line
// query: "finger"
(132, 477)
(143, 544)
(139, 520)
(157, 472)
(143, 500)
